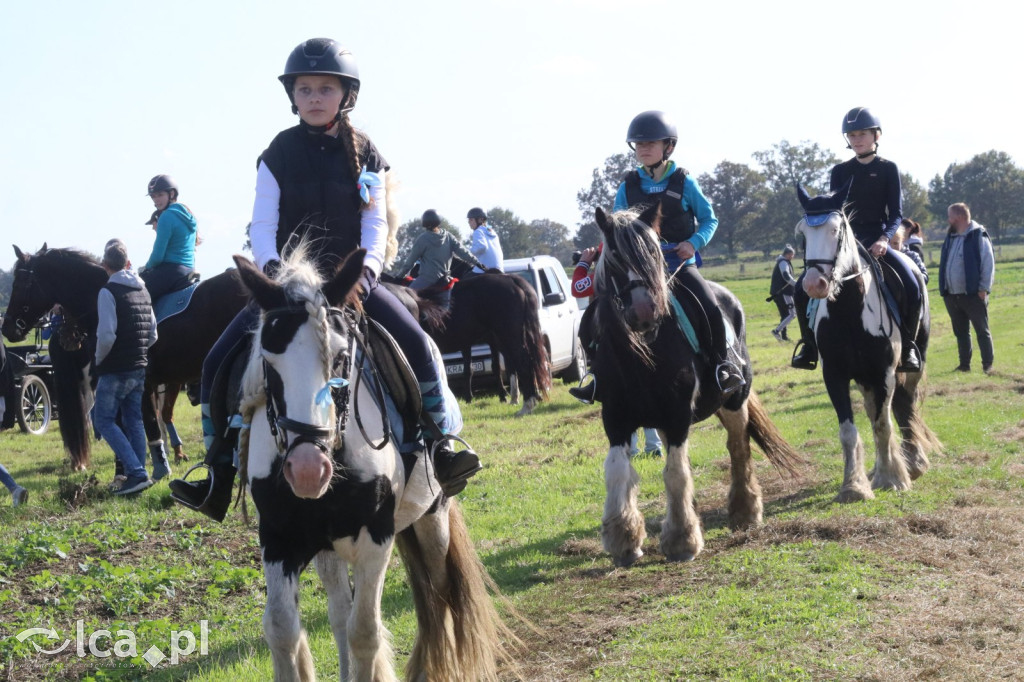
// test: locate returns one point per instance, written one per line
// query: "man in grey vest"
(126, 329)
(966, 272)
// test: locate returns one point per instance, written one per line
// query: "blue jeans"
(123, 391)
(7, 479)
(652, 441)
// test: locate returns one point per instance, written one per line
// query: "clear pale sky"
(509, 103)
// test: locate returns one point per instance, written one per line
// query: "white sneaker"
(20, 496)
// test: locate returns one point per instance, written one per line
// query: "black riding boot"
(453, 469)
(211, 495)
(910, 357)
(805, 354)
(587, 393)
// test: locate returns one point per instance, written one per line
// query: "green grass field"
(922, 585)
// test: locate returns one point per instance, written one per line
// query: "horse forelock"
(634, 249)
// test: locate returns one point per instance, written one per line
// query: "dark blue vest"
(972, 260)
(677, 224)
(134, 320)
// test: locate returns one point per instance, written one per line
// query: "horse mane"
(636, 251)
(847, 256)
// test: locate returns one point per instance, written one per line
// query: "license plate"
(460, 368)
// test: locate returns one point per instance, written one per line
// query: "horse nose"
(815, 285)
(640, 317)
(308, 471)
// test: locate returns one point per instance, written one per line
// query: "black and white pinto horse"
(331, 487)
(859, 341)
(649, 375)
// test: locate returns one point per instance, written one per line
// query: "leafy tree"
(783, 166)
(990, 183)
(738, 194)
(915, 199)
(603, 186)
(6, 285)
(551, 238)
(513, 232)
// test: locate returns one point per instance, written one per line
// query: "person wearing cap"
(782, 288)
(173, 258)
(434, 249)
(484, 243)
(875, 208)
(688, 224)
(321, 183)
(125, 330)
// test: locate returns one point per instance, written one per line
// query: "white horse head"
(830, 251)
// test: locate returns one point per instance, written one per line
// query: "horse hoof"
(848, 495)
(628, 560)
(679, 558)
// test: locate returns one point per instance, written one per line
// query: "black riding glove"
(271, 268)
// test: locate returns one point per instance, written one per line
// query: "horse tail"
(73, 394)
(533, 339)
(433, 315)
(908, 416)
(762, 429)
(460, 634)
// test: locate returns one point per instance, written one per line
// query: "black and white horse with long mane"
(332, 487)
(859, 341)
(648, 374)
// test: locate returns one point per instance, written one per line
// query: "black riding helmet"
(161, 183)
(430, 219)
(477, 214)
(322, 57)
(651, 126)
(861, 118)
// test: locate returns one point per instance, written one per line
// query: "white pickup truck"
(559, 316)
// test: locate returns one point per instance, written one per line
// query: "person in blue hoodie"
(484, 243)
(173, 259)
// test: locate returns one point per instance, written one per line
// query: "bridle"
(830, 278)
(288, 433)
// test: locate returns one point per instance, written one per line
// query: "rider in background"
(874, 207)
(484, 243)
(322, 181)
(434, 249)
(173, 259)
(688, 223)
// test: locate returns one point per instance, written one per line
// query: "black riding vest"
(677, 224)
(319, 196)
(134, 317)
(780, 285)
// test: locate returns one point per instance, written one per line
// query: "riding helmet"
(860, 118)
(322, 57)
(161, 183)
(477, 213)
(430, 219)
(650, 126)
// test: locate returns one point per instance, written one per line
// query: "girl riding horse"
(322, 181)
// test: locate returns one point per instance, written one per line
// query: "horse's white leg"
(513, 388)
(681, 537)
(856, 486)
(282, 629)
(369, 642)
(527, 408)
(745, 507)
(890, 472)
(333, 574)
(622, 528)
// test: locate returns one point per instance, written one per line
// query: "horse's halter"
(328, 438)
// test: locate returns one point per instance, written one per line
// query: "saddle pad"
(173, 303)
(685, 326)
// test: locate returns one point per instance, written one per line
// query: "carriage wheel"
(35, 408)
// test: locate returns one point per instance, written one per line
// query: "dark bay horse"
(501, 311)
(333, 489)
(73, 279)
(859, 341)
(648, 374)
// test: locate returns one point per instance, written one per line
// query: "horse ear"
(265, 291)
(42, 250)
(17, 252)
(802, 195)
(603, 223)
(345, 278)
(652, 216)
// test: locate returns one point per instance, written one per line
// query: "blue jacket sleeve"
(707, 221)
(620, 198)
(164, 228)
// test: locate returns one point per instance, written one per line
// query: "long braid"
(350, 138)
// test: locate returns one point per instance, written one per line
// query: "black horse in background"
(73, 279)
(499, 310)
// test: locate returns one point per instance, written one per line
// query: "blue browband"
(818, 219)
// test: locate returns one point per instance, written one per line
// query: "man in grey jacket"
(125, 330)
(966, 274)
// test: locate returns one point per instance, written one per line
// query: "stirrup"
(731, 371)
(803, 363)
(456, 481)
(211, 477)
(591, 388)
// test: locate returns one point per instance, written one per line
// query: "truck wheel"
(575, 372)
(34, 406)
